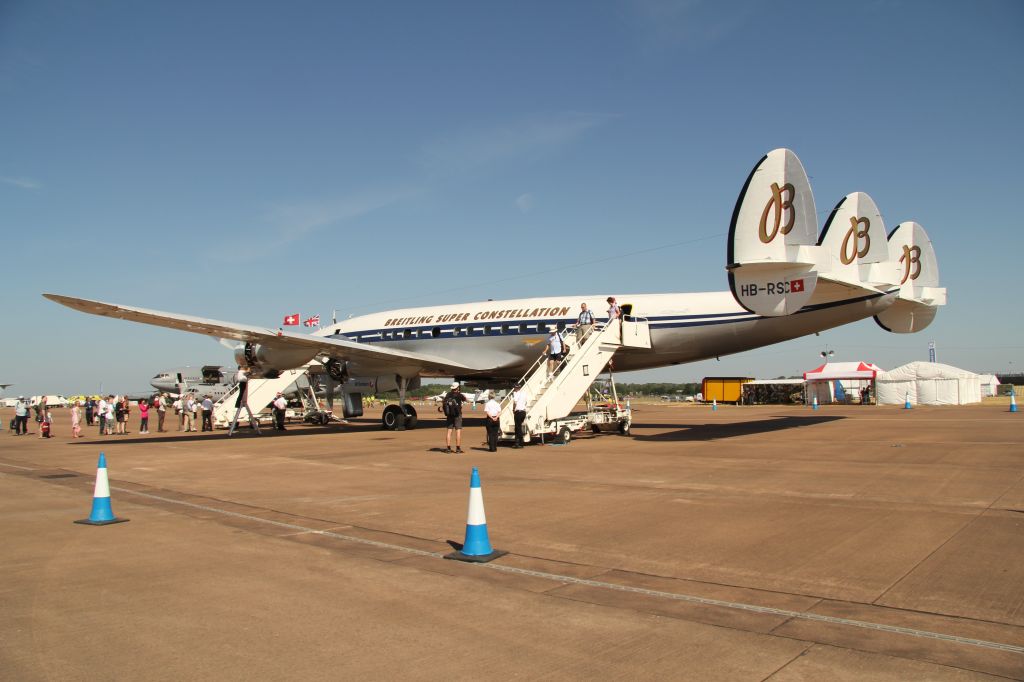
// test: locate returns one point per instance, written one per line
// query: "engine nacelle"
(265, 359)
(378, 384)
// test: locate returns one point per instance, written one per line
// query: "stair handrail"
(596, 327)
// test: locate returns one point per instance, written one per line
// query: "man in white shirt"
(584, 323)
(179, 410)
(161, 412)
(207, 405)
(520, 401)
(188, 409)
(109, 412)
(21, 416)
(554, 350)
(279, 405)
(492, 414)
(101, 410)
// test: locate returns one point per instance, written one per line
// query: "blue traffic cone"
(714, 405)
(477, 547)
(1013, 402)
(906, 405)
(814, 404)
(102, 514)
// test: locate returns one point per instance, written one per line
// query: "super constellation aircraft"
(785, 281)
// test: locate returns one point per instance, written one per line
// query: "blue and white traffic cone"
(714, 404)
(102, 514)
(814, 403)
(477, 547)
(1013, 402)
(906, 404)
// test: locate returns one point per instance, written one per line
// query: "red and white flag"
(291, 320)
(313, 321)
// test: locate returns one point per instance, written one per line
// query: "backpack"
(451, 405)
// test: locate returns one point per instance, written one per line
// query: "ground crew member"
(519, 404)
(279, 406)
(492, 412)
(207, 406)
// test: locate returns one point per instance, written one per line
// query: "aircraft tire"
(410, 417)
(389, 420)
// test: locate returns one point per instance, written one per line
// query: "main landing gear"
(390, 418)
(401, 416)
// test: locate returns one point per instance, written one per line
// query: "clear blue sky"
(244, 160)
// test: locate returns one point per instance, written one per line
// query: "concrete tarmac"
(748, 543)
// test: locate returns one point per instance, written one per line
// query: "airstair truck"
(553, 395)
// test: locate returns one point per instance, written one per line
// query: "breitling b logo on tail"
(852, 249)
(780, 203)
(911, 260)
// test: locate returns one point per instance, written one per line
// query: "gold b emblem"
(911, 260)
(846, 255)
(780, 205)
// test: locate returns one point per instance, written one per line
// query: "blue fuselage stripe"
(539, 327)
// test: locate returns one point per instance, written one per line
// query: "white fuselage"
(506, 337)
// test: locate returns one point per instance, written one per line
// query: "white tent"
(989, 385)
(927, 383)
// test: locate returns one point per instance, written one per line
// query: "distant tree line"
(658, 389)
(631, 389)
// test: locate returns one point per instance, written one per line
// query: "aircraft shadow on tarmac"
(717, 431)
(244, 432)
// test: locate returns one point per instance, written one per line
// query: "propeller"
(231, 344)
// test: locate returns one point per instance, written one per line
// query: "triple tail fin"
(775, 258)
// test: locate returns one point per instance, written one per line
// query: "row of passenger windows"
(489, 329)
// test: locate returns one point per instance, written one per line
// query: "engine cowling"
(268, 359)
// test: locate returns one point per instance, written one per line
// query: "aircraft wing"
(341, 349)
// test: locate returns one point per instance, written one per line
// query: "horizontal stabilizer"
(906, 317)
(771, 256)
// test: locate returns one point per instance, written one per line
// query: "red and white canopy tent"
(834, 380)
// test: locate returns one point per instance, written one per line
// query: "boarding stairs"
(553, 396)
(262, 393)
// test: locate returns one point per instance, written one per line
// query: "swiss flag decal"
(796, 286)
(291, 319)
